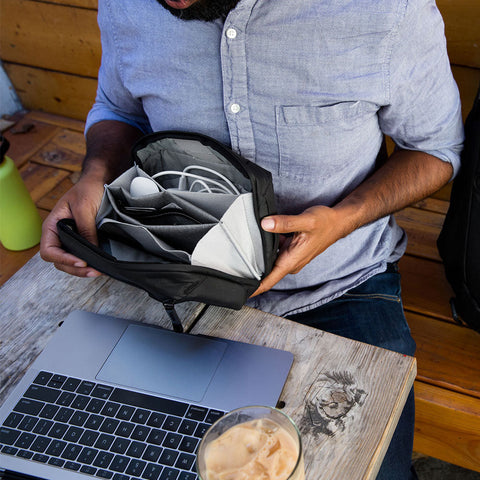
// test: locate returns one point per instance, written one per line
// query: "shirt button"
(231, 33)
(234, 107)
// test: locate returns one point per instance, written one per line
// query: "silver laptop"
(117, 399)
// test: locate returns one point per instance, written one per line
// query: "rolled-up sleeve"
(424, 110)
(113, 100)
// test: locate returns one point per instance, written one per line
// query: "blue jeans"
(373, 313)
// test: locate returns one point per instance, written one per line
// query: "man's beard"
(206, 10)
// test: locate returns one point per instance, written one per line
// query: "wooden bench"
(51, 52)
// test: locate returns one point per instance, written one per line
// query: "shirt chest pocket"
(325, 142)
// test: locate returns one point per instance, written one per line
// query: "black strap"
(175, 319)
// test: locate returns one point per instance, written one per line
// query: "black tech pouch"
(195, 235)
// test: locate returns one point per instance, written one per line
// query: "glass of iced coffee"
(251, 443)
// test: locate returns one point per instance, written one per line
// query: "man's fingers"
(288, 223)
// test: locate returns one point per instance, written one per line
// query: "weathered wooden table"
(345, 396)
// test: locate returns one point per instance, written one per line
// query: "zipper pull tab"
(175, 319)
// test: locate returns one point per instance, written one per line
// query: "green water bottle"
(20, 222)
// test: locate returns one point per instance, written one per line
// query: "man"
(306, 89)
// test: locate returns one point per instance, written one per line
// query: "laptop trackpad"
(163, 362)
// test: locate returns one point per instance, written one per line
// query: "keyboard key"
(156, 419)
(188, 427)
(57, 462)
(188, 444)
(40, 444)
(136, 467)
(125, 412)
(109, 425)
(71, 384)
(120, 445)
(102, 391)
(119, 463)
(152, 472)
(30, 407)
(169, 474)
(196, 413)
(104, 441)
(45, 394)
(25, 454)
(39, 457)
(172, 440)
(43, 426)
(73, 434)
(56, 448)
(95, 405)
(201, 429)
(156, 436)
(213, 416)
(8, 450)
(85, 388)
(13, 420)
(63, 415)
(88, 438)
(49, 411)
(88, 469)
(43, 378)
(185, 461)
(124, 429)
(140, 432)
(94, 422)
(72, 466)
(28, 423)
(152, 453)
(57, 381)
(24, 440)
(172, 423)
(87, 455)
(71, 451)
(120, 476)
(58, 430)
(80, 402)
(187, 476)
(140, 416)
(78, 418)
(103, 459)
(136, 449)
(104, 474)
(168, 457)
(65, 399)
(110, 409)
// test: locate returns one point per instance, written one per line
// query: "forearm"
(108, 149)
(407, 177)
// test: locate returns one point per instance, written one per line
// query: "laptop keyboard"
(105, 432)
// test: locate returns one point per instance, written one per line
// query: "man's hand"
(81, 203)
(311, 232)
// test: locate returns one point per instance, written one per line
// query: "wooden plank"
(447, 354)
(447, 426)
(65, 150)
(50, 36)
(422, 228)
(431, 204)
(92, 4)
(462, 20)
(317, 354)
(49, 200)
(24, 145)
(58, 120)
(40, 179)
(425, 288)
(53, 92)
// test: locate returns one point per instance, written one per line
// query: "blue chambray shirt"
(304, 88)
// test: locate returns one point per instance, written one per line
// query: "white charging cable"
(216, 186)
